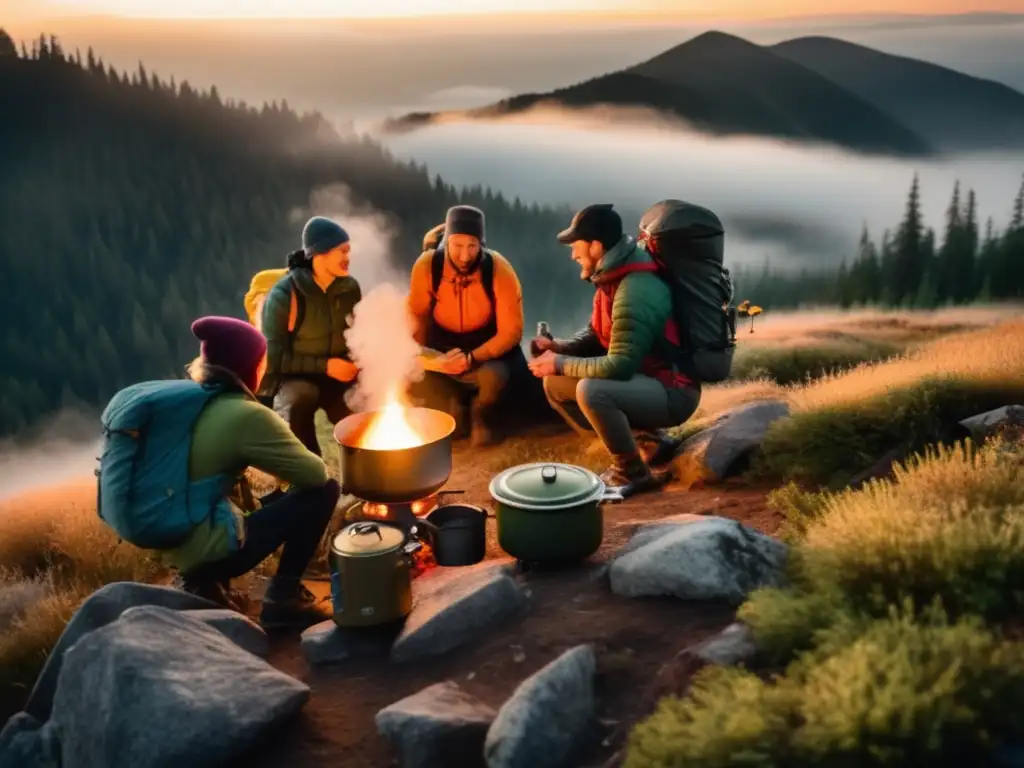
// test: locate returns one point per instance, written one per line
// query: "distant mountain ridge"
(953, 111)
(811, 89)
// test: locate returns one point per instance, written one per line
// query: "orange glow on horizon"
(596, 10)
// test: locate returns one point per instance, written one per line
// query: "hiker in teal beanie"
(305, 318)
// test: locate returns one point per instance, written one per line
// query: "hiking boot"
(216, 592)
(630, 475)
(660, 448)
(294, 608)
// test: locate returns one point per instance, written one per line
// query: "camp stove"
(407, 515)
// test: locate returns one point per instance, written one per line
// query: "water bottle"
(542, 331)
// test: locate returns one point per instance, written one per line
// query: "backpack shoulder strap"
(487, 275)
(297, 308)
(436, 275)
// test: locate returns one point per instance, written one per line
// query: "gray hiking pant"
(613, 409)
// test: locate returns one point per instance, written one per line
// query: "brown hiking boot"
(294, 608)
(216, 592)
(630, 475)
(659, 448)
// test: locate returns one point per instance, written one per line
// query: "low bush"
(830, 445)
(896, 692)
(948, 527)
(794, 364)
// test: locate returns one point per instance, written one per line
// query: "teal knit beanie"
(321, 235)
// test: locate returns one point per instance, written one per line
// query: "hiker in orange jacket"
(467, 307)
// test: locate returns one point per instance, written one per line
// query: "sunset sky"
(378, 8)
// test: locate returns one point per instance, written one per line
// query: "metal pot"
(550, 513)
(396, 475)
(459, 535)
(371, 578)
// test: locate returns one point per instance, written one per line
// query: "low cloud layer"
(792, 204)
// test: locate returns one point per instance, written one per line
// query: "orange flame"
(390, 430)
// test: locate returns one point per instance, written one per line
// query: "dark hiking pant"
(613, 409)
(299, 398)
(296, 519)
(485, 386)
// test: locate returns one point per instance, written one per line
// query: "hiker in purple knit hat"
(210, 430)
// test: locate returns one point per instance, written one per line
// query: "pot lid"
(546, 486)
(364, 539)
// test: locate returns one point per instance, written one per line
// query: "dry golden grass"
(54, 552)
(992, 356)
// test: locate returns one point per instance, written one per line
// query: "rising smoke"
(380, 335)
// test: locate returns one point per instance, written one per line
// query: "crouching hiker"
(305, 317)
(618, 373)
(467, 306)
(171, 476)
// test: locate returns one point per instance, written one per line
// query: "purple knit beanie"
(231, 344)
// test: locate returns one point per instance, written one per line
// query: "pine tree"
(7, 46)
(908, 258)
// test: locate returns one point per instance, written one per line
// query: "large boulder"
(453, 605)
(725, 447)
(99, 609)
(27, 743)
(157, 689)
(695, 557)
(239, 629)
(985, 424)
(549, 717)
(440, 726)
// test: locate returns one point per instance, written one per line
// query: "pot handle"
(611, 495)
(364, 529)
(430, 530)
(549, 474)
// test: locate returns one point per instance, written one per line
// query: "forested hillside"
(129, 205)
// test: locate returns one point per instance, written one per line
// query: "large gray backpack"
(687, 241)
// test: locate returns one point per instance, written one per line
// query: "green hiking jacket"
(233, 433)
(641, 308)
(319, 336)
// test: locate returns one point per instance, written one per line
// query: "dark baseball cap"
(595, 222)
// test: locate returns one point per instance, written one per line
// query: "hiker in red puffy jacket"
(617, 375)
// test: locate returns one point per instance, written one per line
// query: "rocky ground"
(636, 640)
(522, 666)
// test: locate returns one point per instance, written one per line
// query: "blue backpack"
(144, 492)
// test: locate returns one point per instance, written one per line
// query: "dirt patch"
(637, 640)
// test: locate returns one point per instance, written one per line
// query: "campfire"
(390, 429)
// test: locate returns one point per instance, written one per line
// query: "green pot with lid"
(549, 512)
(371, 575)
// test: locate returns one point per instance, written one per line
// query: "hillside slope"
(723, 84)
(130, 206)
(953, 111)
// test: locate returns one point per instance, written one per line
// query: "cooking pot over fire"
(395, 454)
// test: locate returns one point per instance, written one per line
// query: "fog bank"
(796, 205)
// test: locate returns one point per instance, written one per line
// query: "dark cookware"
(459, 534)
(549, 512)
(396, 475)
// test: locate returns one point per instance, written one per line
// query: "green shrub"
(829, 445)
(794, 364)
(798, 509)
(893, 693)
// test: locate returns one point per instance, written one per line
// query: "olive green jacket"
(323, 317)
